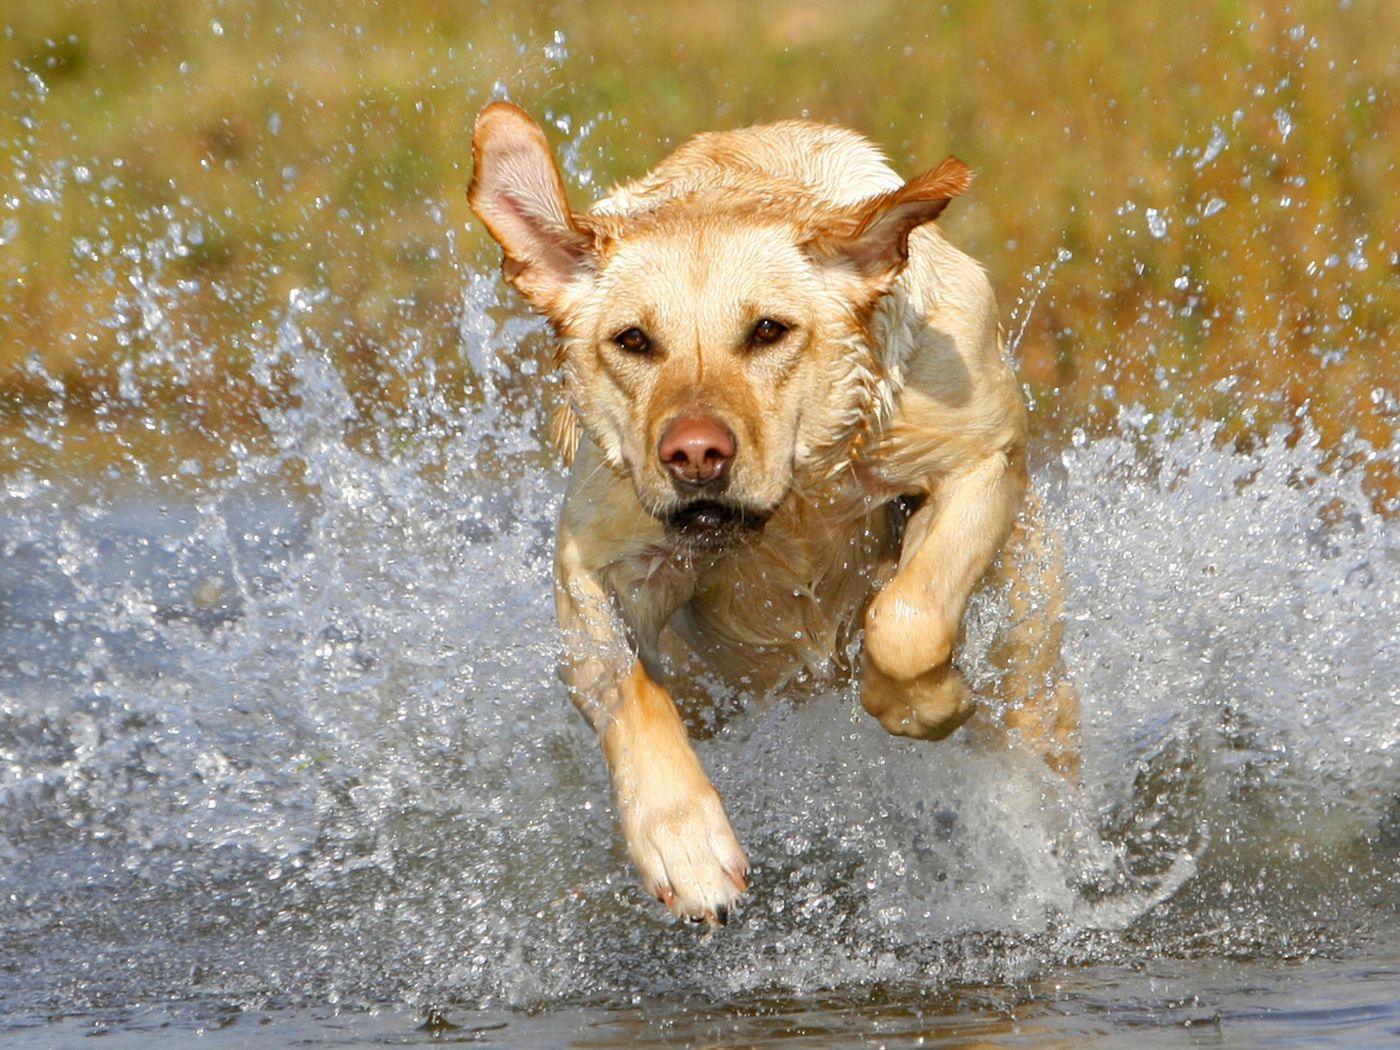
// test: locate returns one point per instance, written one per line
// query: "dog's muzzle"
(712, 525)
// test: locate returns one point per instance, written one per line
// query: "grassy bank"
(1219, 181)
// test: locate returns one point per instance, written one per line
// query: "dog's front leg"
(672, 819)
(908, 680)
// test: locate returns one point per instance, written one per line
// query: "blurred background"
(1206, 197)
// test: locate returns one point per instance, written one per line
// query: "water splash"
(1036, 283)
(321, 735)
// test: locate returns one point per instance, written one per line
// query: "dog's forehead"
(682, 269)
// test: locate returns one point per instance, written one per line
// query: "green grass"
(326, 145)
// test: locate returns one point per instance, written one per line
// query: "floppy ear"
(516, 190)
(874, 238)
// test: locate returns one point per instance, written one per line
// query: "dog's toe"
(740, 878)
(706, 890)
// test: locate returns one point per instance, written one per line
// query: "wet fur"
(881, 445)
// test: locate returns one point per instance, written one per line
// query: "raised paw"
(927, 706)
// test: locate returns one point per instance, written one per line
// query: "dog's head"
(715, 343)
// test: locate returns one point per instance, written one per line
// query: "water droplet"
(557, 50)
(1156, 223)
(1217, 142)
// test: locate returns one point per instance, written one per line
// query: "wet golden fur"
(879, 441)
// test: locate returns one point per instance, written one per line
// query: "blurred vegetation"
(1221, 175)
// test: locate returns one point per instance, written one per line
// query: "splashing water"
(291, 750)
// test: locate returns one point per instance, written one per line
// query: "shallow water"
(1166, 1004)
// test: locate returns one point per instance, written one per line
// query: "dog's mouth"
(711, 525)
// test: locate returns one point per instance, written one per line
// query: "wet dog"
(793, 421)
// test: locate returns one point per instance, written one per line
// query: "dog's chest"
(789, 603)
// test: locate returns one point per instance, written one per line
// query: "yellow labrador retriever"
(793, 419)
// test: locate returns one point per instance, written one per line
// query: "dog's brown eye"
(767, 331)
(633, 340)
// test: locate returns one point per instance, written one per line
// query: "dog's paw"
(686, 853)
(928, 706)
